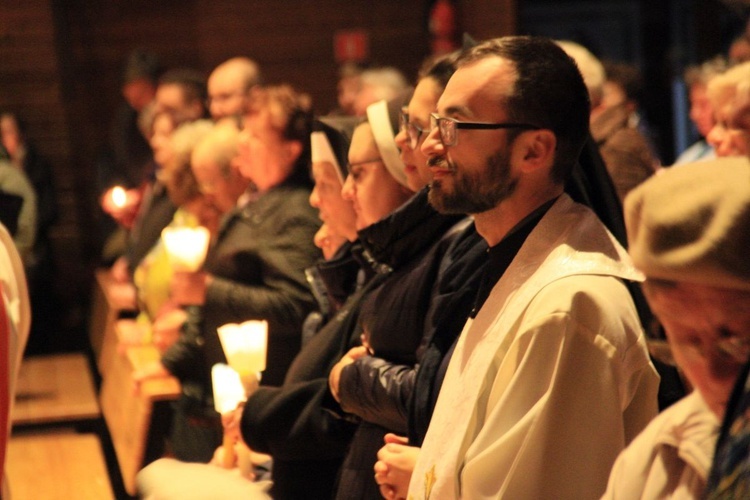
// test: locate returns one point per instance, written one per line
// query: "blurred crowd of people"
(451, 271)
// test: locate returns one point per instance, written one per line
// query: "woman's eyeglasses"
(413, 132)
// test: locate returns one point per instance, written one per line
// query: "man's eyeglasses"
(413, 132)
(448, 127)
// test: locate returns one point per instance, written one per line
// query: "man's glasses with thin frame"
(448, 127)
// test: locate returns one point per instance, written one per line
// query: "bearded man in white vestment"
(551, 378)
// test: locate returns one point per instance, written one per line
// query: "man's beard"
(472, 192)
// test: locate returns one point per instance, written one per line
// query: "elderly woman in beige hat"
(689, 231)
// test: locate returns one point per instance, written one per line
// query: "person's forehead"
(363, 145)
(478, 88)
(170, 93)
(424, 99)
(699, 299)
(722, 97)
(324, 170)
(723, 111)
(225, 80)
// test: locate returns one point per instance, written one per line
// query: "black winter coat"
(308, 443)
(412, 241)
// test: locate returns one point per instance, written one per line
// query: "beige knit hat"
(692, 224)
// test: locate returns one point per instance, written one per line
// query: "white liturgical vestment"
(550, 381)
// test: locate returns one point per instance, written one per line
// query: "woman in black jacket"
(378, 388)
(254, 268)
(307, 443)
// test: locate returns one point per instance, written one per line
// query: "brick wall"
(60, 65)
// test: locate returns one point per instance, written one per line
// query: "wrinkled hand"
(245, 459)
(335, 376)
(393, 470)
(188, 288)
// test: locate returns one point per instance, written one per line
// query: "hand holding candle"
(228, 394)
(121, 204)
(186, 248)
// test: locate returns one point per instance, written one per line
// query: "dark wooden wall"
(60, 64)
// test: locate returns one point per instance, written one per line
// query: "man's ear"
(537, 149)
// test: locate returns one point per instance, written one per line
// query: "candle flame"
(119, 196)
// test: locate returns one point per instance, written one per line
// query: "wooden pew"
(136, 421)
(109, 301)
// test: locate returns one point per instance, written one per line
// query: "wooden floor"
(55, 451)
(55, 388)
(73, 438)
(57, 464)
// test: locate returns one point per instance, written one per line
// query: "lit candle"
(245, 345)
(186, 246)
(228, 390)
(119, 196)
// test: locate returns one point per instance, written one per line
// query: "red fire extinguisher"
(443, 27)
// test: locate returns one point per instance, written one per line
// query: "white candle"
(228, 389)
(186, 246)
(119, 196)
(245, 345)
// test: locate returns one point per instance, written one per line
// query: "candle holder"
(186, 246)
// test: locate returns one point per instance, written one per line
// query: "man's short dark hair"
(440, 69)
(192, 82)
(141, 64)
(549, 92)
